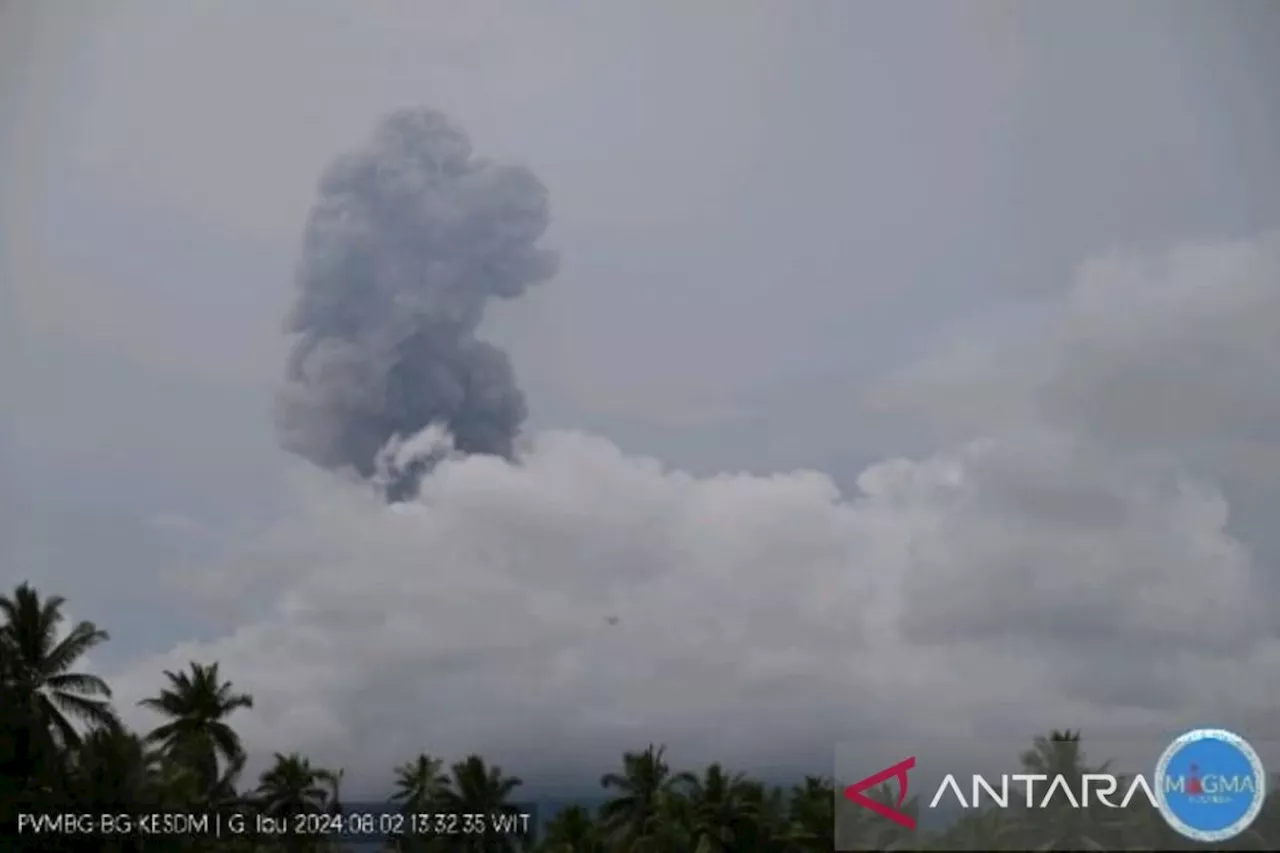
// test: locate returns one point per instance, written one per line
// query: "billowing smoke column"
(408, 240)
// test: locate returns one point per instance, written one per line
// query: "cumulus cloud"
(1070, 559)
(1172, 351)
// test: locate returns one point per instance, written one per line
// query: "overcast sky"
(963, 320)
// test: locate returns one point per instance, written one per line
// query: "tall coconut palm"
(811, 814)
(13, 725)
(197, 704)
(14, 721)
(573, 830)
(479, 788)
(880, 834)
(633, 819)
(419, 783)
(115, 771)
(225, 792)
(288, 789)
(418, 789)
(1058, 754)
(333, 778)
(1059, 825)
(852, 821)
(45, 699)
(768, 830)
(986, 829)
(292, 786)
(722, 812)
(771, 830)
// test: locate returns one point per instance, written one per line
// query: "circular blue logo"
(1210, 785)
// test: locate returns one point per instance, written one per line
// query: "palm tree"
(196, 704)
(633, 820)
(879, 834)
(812, 814)
(478, 788)
(851, 820)
(419, 783)
(1058, 754)
(986, 829)
(225, 792)
(43, 697)
(721, 809)
(769, 829)
(13, 726)
(1060, 826)
(333, 778)
(573, 830)
(115, 772)
(292, 786)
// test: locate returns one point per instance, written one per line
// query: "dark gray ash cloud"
(409, 239)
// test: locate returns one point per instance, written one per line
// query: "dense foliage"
(63, 749)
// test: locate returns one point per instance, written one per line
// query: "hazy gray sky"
(852, 237)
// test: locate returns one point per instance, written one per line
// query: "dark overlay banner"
(1169, 791)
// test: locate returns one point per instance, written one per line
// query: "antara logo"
(854, 794)
(1102, 787)
(1038, 790)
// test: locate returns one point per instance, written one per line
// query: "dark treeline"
(63, 749)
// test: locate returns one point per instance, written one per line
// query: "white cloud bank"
(1076, 557)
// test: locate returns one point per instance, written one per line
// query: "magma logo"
(1210, 785)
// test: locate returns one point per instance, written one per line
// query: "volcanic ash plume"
(409, 238)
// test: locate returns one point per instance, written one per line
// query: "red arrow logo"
(854, 794)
